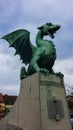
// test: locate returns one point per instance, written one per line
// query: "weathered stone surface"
(30, 110)
(11, 126)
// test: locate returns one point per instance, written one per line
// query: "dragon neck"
(39, 39)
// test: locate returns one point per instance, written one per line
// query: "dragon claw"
(43, 70)
(60, 75)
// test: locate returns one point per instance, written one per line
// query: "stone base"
(41, 105)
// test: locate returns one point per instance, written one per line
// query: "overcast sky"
(30, 14)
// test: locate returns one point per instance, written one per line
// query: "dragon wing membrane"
(19, 39)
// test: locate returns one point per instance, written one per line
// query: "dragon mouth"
(52, 32)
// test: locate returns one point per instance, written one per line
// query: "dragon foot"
(59, 74)
(43, 70)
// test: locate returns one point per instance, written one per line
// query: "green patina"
(40, 58)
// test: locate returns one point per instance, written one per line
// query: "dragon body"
(40, 58)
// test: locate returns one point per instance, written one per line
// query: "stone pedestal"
(41, 105)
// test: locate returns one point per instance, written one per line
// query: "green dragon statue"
(40, 58)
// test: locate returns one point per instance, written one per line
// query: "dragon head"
(49, 29)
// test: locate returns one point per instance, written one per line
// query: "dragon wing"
(19, 39)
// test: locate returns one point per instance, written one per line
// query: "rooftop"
(1, 98)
